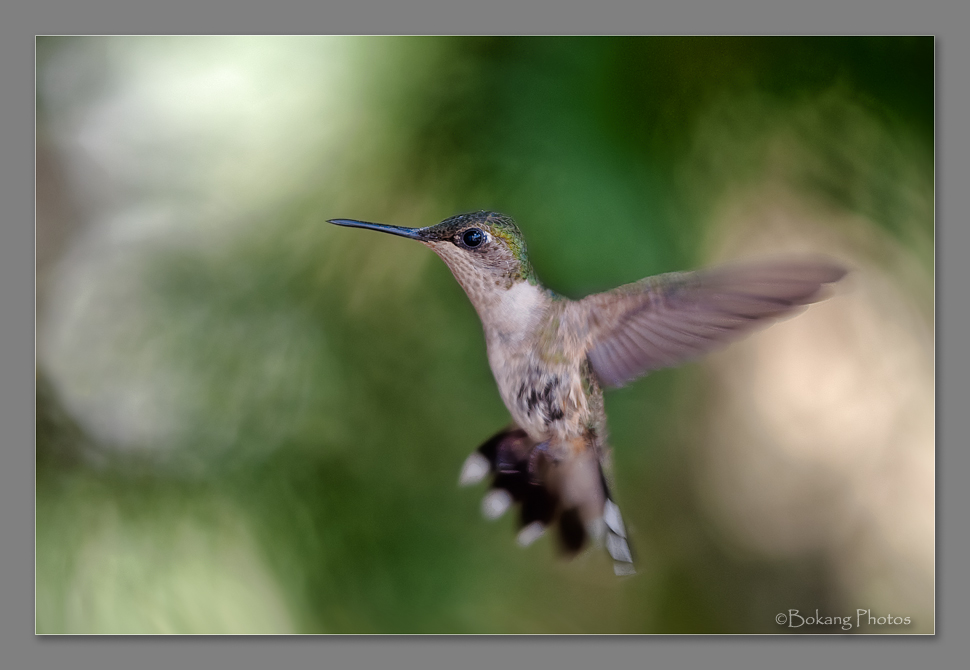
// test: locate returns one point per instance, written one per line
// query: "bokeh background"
(250, 421)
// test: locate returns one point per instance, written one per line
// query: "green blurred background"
(249, 421)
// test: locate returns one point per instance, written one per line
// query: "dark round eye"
(472, 237)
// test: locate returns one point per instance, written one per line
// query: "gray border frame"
(22, 23)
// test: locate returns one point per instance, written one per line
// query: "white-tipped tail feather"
(616, 542)
(474, 470)
(611, 515)
(495, 503)
(530, 533)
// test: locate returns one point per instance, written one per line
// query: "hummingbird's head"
(484, 250)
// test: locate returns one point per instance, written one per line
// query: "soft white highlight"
(495, 503)
(474, 470)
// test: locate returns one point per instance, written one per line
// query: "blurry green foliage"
(332, 382)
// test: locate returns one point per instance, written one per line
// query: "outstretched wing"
(665, 320)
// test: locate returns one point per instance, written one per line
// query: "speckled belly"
(545, 401)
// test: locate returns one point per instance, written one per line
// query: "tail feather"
(569, 492)
(616, 541)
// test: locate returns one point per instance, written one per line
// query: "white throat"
(515, 312)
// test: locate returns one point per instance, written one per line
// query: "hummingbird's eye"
(473, 237)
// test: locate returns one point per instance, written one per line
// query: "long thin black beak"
(410, 233)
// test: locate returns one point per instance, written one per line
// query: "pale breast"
(543, 393)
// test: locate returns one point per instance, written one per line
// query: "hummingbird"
(552, 357)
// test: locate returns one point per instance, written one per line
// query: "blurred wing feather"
(665, 320)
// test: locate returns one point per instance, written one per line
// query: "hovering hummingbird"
(552, 357)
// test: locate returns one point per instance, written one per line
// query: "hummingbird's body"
(535, 351)
(551, 357)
